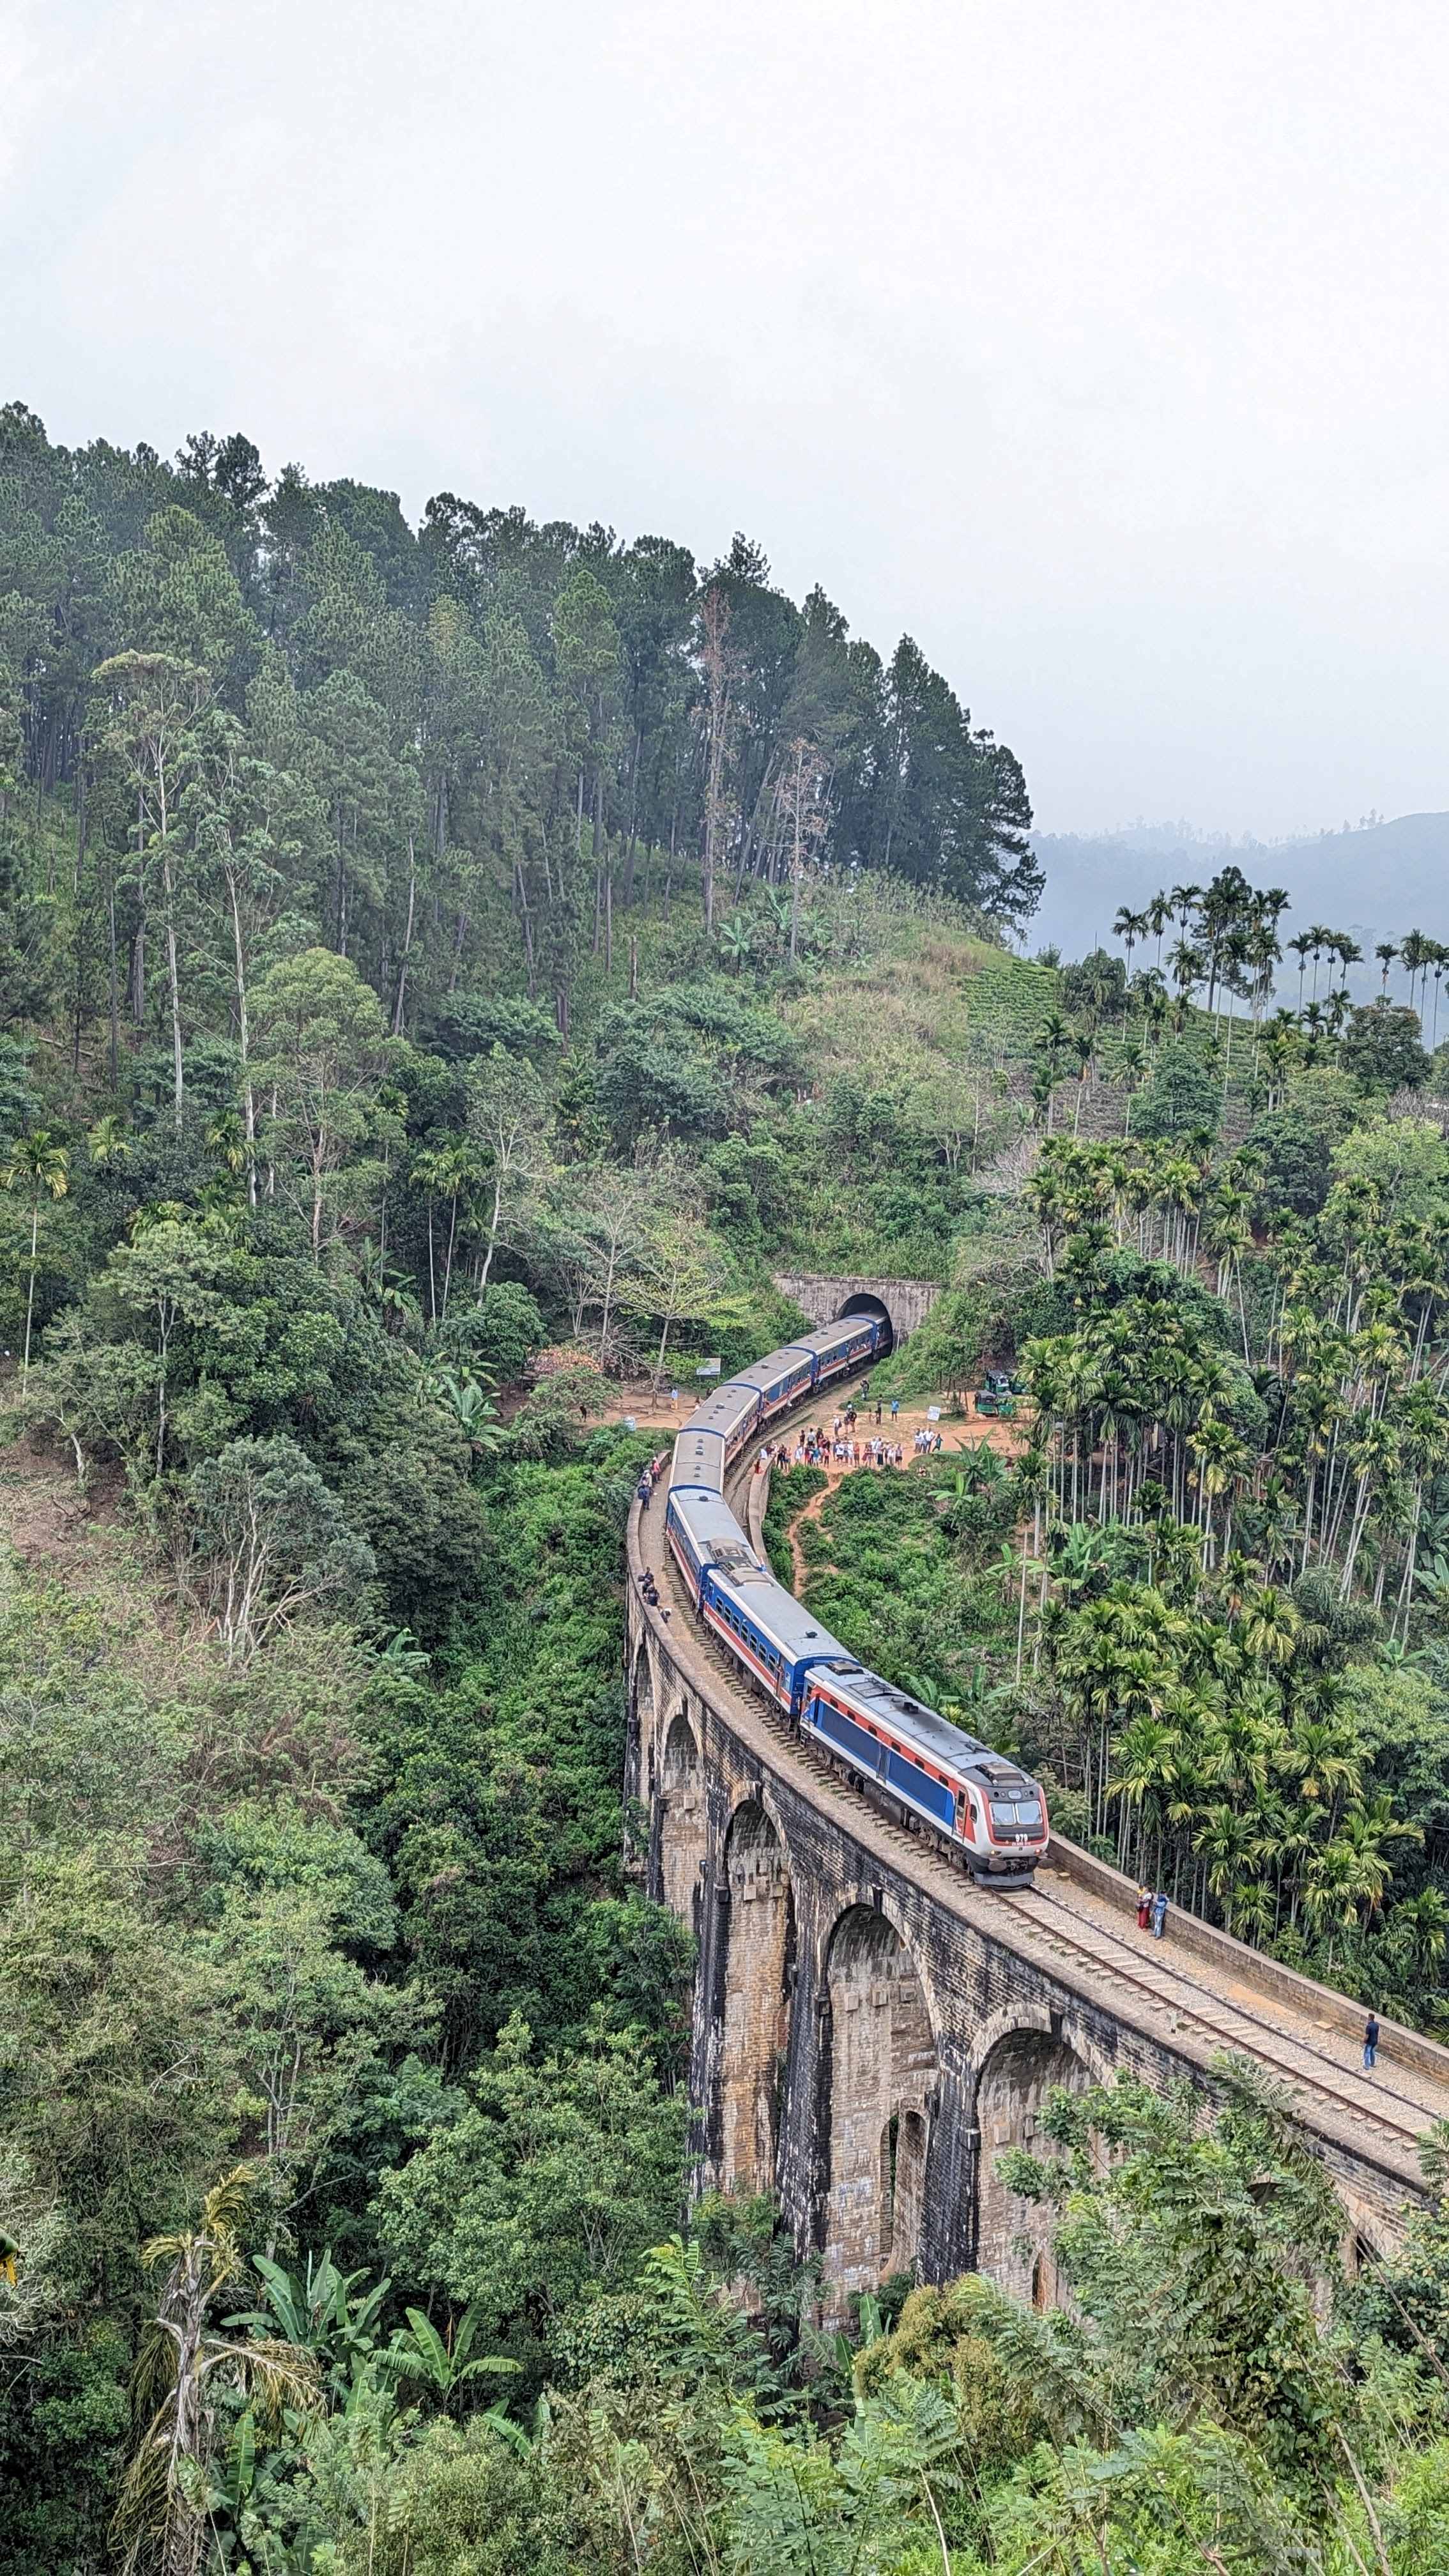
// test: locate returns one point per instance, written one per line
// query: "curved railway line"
(1193, 1995)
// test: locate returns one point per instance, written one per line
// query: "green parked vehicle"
(997, 1402)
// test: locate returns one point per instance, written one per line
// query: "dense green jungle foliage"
(442, 973)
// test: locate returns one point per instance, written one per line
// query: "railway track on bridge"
(1073, 1934)
(1224, 2026)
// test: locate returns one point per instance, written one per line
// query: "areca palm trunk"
(448, 1260)
(30, 1291)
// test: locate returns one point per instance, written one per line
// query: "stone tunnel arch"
(881, 2073)
(1013, 2236)
(865, 1302)
(758, 1977)
(684, 1823)
(905, 1303)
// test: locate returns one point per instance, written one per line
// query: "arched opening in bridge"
(1013, 2236)
(863, 1303)
(882, 2068)
(641, 1750)
(759, 1966)
(683, 1823)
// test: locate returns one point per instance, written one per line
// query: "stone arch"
(642, 1692)
(683, 1822)
(865, 1302)
(758, 1978)
(1013, 2236)
(881, 2058)
(641, 1749)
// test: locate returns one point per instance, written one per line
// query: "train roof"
(949, 1745)
(725, 1408)
(712, 1525)
(775, 1365)
(786, 1621)
(831, 1335)
(698, 1458)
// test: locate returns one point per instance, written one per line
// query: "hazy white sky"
(1101, 345)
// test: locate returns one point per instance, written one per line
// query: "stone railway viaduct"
(870, 2030)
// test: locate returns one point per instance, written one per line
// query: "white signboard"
(708, 1368)
(933, 1413)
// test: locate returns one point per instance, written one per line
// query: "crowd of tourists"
(846, 1442)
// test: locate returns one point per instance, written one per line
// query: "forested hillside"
(444, 975)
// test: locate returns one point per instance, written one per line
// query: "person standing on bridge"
(1144, 1908)
(1370, 2044)
(1159, 1915)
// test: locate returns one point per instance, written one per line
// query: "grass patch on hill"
(900, 1566)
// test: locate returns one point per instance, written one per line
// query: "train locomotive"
(912, 1760)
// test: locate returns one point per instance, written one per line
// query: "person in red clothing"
(1144, 1908)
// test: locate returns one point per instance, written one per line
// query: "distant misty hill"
(1376, 882)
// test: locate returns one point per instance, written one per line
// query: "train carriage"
(762, 1625)
(782, 1378)
(937, 1771)
(935, 1774)
(846, 1345)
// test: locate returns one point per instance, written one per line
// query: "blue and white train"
(906, 1755)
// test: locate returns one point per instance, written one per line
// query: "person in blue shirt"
(1159, 1915)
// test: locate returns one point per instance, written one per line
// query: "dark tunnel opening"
(862, 1303)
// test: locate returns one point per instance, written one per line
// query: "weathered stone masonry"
(859, 2046)
(841, 2022)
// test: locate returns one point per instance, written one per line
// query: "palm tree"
(1229, 1842)
(1439, 960)
(1083, 1049)
(1148, 1766)
(1157, 917)
(1299, 948)
(1129, 927)
(1385, 952)
(37, 1163)
(1052, 1041)
(1270, 1624)
(1323, 1761)
(462, 1171)
(109, 1142)
(225, 1141)
(1338, 1007)
(1319, 938)
(1187, 964)
(1415, 951)
(432, 1173)
(1419, 1934)
(383, 1281)
(161, 2514)
(1132, 1071)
